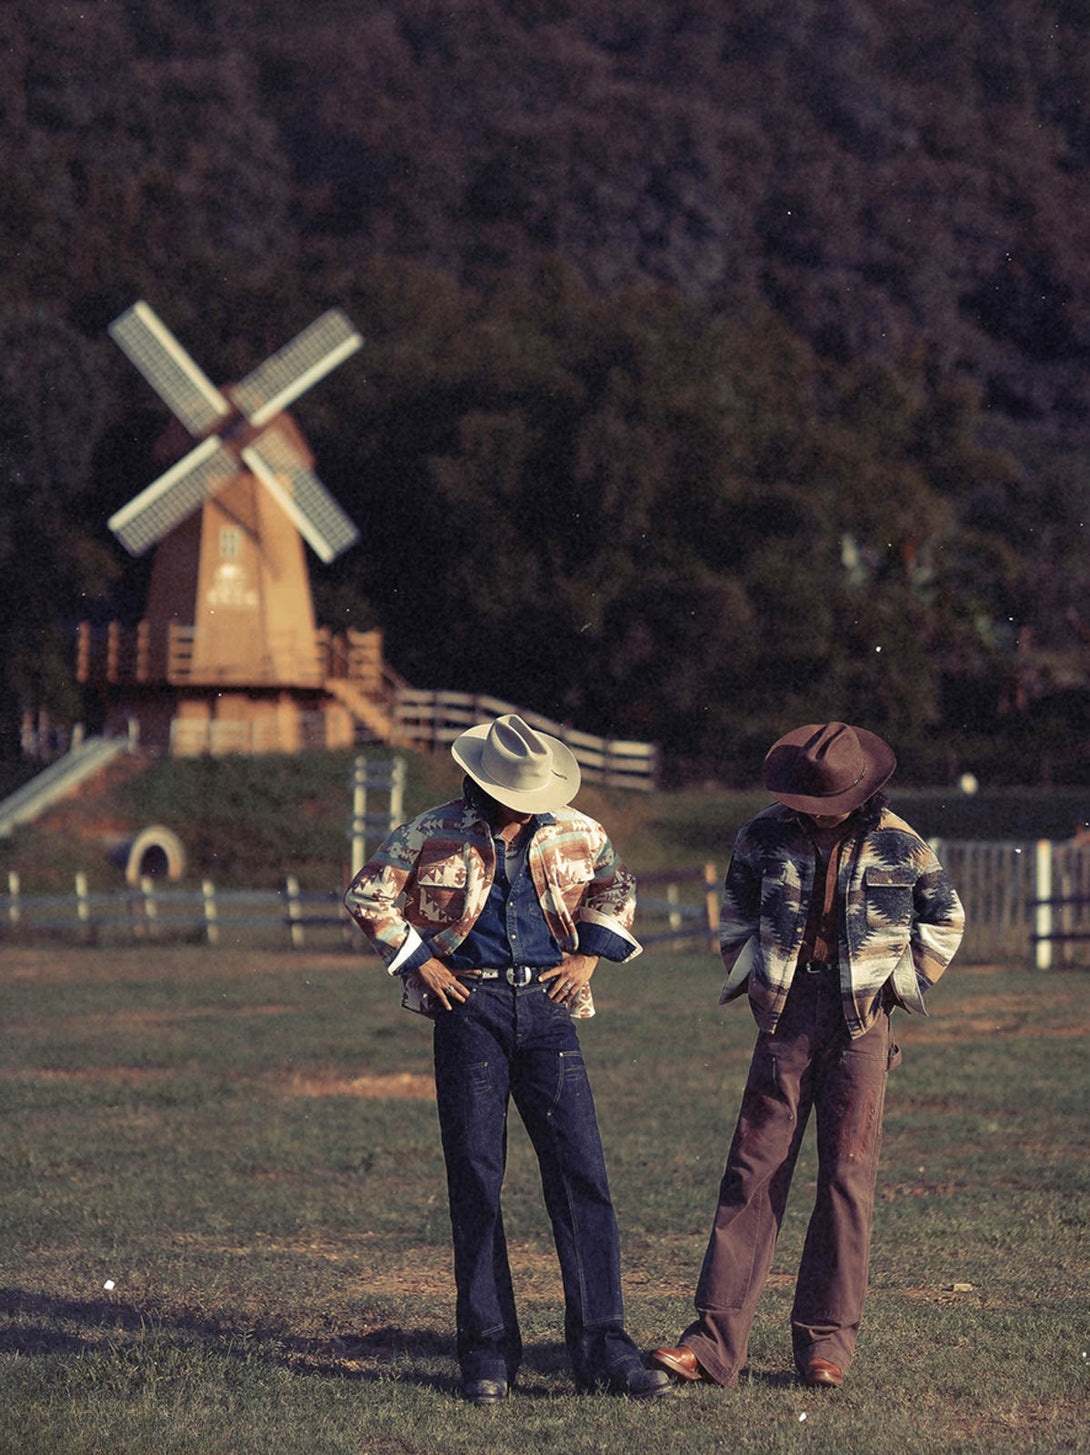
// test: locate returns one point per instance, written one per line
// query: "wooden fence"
(1022, 900)
(168, 652)
(1025, 903)
(434, 719)
(676, 913)
(678, 907)
(154, 911)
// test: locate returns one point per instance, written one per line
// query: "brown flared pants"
(809, 1062)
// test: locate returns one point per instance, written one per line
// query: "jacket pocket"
(569, 873)
(888, 895)
(441, 888)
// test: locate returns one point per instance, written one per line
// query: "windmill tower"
(229, 626)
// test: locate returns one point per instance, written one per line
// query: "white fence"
(153, 911)
(1025, 903)
(676, 906)
(435, 719)
(1022, 900)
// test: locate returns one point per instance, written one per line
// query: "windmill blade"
(167, 501)
(293, 369)
(305, 500)
(179, 383)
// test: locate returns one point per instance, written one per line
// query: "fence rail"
(676, 914)
(1023, 901)
(153, 911)
(671, 916)
(171, 653)
(1022, 898)
(435, 719)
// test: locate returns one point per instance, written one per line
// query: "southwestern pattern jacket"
(430, 879)
(900, 919)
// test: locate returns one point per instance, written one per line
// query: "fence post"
(1044, 906)
(151, 909)
(83, 905)
(211, 914)
(298, 936)
(397, 793)
(711, 905)
(384, 777)
(673, 899)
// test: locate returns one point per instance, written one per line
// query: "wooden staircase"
(369, 713)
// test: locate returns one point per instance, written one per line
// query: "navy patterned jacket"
(899, 918)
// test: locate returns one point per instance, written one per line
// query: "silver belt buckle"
(519, 976)
(818, 967)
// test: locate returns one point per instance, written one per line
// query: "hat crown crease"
(831, 763)
(515, 756)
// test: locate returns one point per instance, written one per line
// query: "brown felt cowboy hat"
(527, 771)
(827, 767)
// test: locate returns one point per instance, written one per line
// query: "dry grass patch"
(399, 1086)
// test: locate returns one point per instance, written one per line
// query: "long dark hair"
(868, 815)
(478, 798)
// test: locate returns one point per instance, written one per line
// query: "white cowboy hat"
(524, 770)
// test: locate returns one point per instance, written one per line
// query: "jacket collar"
(472, 817)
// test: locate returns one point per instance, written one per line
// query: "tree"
(52, 405)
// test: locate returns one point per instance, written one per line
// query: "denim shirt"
(511, 929)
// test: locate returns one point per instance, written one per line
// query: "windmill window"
(229, 543)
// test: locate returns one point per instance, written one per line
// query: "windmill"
(229, 618)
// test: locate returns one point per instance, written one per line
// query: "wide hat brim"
(468, 751)
(876, 766)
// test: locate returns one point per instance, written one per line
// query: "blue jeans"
(504, 1043)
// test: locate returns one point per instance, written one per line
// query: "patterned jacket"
(899, 918)
(430, 879)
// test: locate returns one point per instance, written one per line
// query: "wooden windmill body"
(229, 648)
(236, 572)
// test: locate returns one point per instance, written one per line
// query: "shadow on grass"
(47, 1326)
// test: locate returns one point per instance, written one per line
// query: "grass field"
(224, 1227)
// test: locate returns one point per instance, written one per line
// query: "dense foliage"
(724, 364)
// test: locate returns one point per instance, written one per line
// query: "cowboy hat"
(827, 768)
(527, 771)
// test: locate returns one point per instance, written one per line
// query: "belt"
(819, 967)
(520, 976)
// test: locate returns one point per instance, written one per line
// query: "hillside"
(888, 174)
(747, 336)
(249, 822)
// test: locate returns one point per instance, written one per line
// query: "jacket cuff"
(906, 984)
(597, 940)
(591, 922)
(412, 952)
